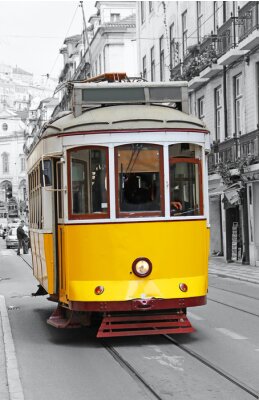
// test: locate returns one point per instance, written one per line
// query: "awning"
(231, 197)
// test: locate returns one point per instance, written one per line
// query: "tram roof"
(123, 117)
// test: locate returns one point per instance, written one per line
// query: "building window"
(199, 21)
(237, 102)
(144, 67)
(115, 17)
(5, 160)
(152, 62)
(139, 180)
(100, 63)
(162, 58)
(143, 11)
(201, 107)
(5, 127)
(22, 164)
(150, 6)
(184, 32)
(88, 183)
(172, 47)
(218, 112)
(215, 16)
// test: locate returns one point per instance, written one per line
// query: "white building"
(215, 46)
(12, 161)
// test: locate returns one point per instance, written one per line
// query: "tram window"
(185, 183)
(46, 173)
(139, 179)
(88, 182)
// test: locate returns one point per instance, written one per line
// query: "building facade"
(13, 192)
(19, 90)
(215, 46)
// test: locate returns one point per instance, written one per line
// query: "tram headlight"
(142, 267)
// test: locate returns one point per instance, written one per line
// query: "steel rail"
(215, 368)
(131, 370)
(235, 308)
(232, 291)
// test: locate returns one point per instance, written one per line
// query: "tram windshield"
(88, 172)
(139, 179)
(185, 180)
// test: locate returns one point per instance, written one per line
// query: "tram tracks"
(214, 367)
(233, 307)
(234, 292)
(131, 370)
(137, 376)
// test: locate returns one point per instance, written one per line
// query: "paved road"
(75, 365)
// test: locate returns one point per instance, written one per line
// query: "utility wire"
(55, 62)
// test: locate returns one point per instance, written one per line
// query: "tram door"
(59, 231)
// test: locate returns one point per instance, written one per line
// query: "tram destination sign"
(87, 94)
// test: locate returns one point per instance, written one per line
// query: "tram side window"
(185, 180)
(139, 179)
(88, 182)
(35, 199)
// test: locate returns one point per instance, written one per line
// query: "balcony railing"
(198, 58)
(226, 37)
(248, 19)
(231, 151)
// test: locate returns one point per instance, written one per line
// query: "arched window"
(4, 126)
(5, 160)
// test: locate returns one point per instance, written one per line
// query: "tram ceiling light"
(142, 267)
(99, 290)
(183, 287)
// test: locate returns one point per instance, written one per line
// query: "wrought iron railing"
(226, 37)
(248, 19)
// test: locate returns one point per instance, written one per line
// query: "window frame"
(201, 109)
(135, 214)
(199, 21)
(142, 12)
(6, 163)
(177, 160)
(162, 58)
(89, 216)
(184, 32)
(238, 103)
(152, 63)
(144, 67)
(218, 111)
(172, 46)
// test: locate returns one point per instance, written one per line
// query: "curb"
(239, 278)
(12, 371)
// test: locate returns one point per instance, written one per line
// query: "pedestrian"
(21, 236)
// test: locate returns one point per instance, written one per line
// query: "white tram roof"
(123, 117)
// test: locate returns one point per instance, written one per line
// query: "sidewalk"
(218, 266)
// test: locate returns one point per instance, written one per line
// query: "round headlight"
(142, 267)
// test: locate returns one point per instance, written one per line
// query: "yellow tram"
(119, 208)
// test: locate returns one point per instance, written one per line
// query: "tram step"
(60, 319)
(136, 325)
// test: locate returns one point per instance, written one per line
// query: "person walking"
(21, 236)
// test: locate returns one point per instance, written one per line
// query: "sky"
(32, 32)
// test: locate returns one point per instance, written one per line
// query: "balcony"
(227, 43)
(196, 82)
(248, 24)
(211, 71)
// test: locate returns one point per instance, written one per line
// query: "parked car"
(11, 238)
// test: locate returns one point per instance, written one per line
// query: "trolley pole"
(87, 40)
